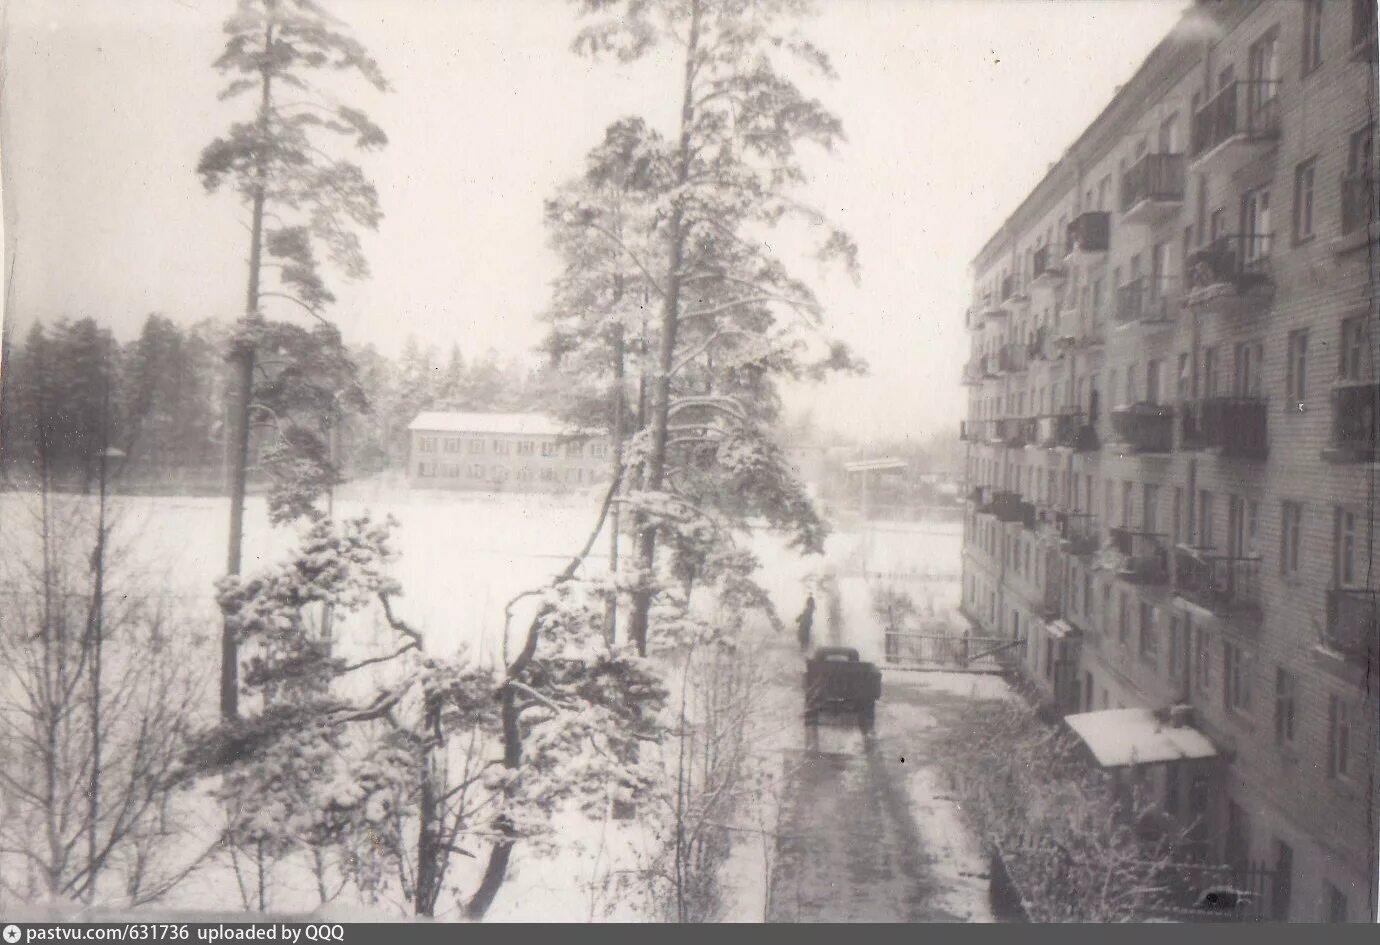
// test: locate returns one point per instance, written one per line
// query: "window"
(1236, 677)
(476, 446)
(1132, 388)
(1210, 366)
(1123, 624)
(548, 475)
(1247, 358)
(1362, 26)
(525, 447)
(1206, 536)
(1202, 661)
(1184, 378)
(477, 471)
(1336, 901)
(1106, 607)
(1286, 705)
(1360, 155)
(1255, 228)
(1126, 503)
(428, 444)
(574, 450)
(1311, 54)
(1344, 553)
(1149, 637)
(1152, 381)
(450, 444)
(1282, 892)
(1296, 370)
(1338, 737)
(1291, 538)
(548, 449)
(1355, 363)
(1304, 176)
(1150, 508)
(1169, 135)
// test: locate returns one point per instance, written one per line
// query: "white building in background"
(510, 452)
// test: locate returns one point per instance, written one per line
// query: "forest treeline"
(70, 391)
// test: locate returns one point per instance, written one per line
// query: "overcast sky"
(953, 110)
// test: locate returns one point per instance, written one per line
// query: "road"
(867, 832)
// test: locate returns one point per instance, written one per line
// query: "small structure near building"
(508, 452)
(867, 476)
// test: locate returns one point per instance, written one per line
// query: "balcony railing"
(1354, 426)
(1360, 203)
(1226, 585)
(1241, 260)
(1145, 428)
(1145, 557)
(1155, 178)
(1146, 299)
(1047, 265)
(1234, 425)
(970, 431)
(1011, 358)
(1080, 533)
(1012, 288)
(1243, 109)
(1004, 505)
(1353, 625)
(1016, 432)
(1089, 232)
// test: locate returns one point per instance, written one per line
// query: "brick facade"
(1209, 218)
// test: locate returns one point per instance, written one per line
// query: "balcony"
(970, 431)
(1025, 514)
(1144, 556)
(1153, 189)
(972, 319)
(1052, 591)
(1047, 267)
(1079, 532)
(1226, 585)
(1144, 428)
(1011, 358)
(1354, 411)
(1147, 300)
(1353, 625)
(1089, 235)
(1004, 505)
(980, 496)
(1067, 430)
(971, 375)
(1235, 125)
(1231, 426)
(1231, 274)
(1013, 294)
(1016, 432)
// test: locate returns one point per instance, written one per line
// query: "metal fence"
(944, 652)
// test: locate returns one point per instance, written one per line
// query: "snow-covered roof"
(1120, 737)
(1059, 629)
(523, 424)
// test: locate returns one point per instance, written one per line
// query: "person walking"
(805, 623)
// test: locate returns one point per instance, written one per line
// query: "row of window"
(1145, 383)
(576, 476)
(1350, 526)
(499, 447)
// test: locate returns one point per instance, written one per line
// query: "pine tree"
(730, 312)
(300, 197)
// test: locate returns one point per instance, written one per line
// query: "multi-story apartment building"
(1171, 435)
(513, 452)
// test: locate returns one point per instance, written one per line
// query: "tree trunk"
(502, 852)
(95, 632)
(618, 347)
(670, 322)
(430, 855)
(237, 440)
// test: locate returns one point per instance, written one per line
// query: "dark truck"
(837, 680)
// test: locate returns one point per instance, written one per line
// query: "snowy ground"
(463, 556)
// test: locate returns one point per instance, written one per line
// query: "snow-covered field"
(462, 557)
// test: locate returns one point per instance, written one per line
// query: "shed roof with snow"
(521, 424)
(1121, 737)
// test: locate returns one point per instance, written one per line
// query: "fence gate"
(946, 653)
